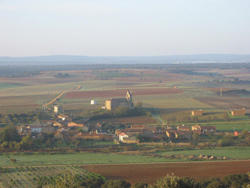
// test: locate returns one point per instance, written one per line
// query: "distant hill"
(66, 59)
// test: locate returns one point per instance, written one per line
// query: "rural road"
(156, 117)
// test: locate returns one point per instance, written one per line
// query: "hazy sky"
(124, 27)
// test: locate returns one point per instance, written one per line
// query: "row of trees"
(11, 140)
(24, 118)
(119, 112)
(169, 181)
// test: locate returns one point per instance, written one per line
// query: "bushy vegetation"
(61, 75)
(25, 117)
(75, 177)
(119, 112)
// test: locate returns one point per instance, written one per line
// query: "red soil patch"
(149, 173)
(121, 93)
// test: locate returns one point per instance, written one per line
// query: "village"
(63, 128)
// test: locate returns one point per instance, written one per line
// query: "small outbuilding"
(93, 102)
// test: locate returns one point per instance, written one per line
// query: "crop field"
(149, 173)
(226, 102)
(122, 92)
(172, 102)
(9, 85)
(28, 176)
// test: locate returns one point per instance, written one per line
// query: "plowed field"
(121, 93)
(149, 173)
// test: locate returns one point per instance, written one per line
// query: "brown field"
(121, 92)
(149, 173)
(228, 103)
(125, 120)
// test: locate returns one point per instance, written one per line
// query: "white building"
(93, 102)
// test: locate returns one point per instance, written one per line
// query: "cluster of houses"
(129, 135)
(63, 128)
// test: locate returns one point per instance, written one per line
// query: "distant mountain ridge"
(200, 58)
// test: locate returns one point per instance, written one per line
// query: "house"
(48, 129)
(93, 136)
(98, 126)
(208, 129)
(64, 135)
(171, 133)
(120, 102)
(196, 129)
(130, 140)
(35, 128)
(183, 128)
(24, 131)
(58, 124)
(183, 135)
(197, 113)
(239, 112)
(64, 118)
(76, 125)
(58, 109)
(122, 135)
(179, 134)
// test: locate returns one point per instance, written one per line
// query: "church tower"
(129, 99)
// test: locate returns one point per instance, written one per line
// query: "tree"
(116, 184)
(26, 142)
(9, 133)
(235, 180)
(169, 181)
(195, 137)
(140, 185)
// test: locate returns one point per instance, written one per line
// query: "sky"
(124, 27)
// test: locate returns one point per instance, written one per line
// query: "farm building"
(120, 102)
(75, 125)
(93, 102)
(239, 112)
(183, 128)
(196, 129)
(58, 109)
(208, 129)
(197, 113)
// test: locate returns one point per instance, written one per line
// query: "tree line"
(169, 181)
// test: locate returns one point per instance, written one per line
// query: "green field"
(76, 159)
(171, 101)
(41, 159)
(229, 126)
(231, 152)
(9, 85)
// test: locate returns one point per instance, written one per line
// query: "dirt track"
(149, 173)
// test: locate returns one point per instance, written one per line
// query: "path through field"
(60, 95)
